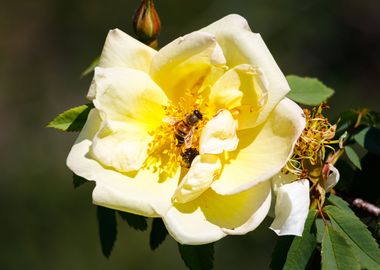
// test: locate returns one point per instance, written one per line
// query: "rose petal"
(128, 96)
(242, 89)
(263, 151)
(232, 21)
(142, 193)
(124, 150)
(277, 181)
(239, 86)
(185, 63)
(333, 178)
(241, 46)
(122, 50)
(219, 134)
(212, 216)
(292, 207)
(203, 171)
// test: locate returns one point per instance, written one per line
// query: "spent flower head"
(310, 150)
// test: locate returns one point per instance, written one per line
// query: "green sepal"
(91, 67)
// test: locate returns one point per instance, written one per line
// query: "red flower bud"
(146, 23)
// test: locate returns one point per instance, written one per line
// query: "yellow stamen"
(164, 151)
(310, 149)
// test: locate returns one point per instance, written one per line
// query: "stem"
(366, 206)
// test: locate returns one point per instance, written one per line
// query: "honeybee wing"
(171, 120)
(189, 138)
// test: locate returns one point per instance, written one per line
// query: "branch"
(367, 207)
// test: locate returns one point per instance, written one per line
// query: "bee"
(183, 132)
(184, 128)
(188, 156)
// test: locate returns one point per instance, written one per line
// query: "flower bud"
(146, 23)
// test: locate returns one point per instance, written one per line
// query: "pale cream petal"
(189, 226)
(198, 179)
(219, 134)
(232, 21)
(212, 216)
(262, 151)
(241, 89)
(292, 207)
(128, 96)
(124, 150)
(184, 64)
(143, 193)
(122, 50)
(277, 181)
(241, 46)
(333, 178)
(281, 179)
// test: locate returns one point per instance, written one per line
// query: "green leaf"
(369, 138)
(303, 247)
(340, 203)
(107, 229)
(199, 257)
(357, 236)
(372, 118)
(78, 181)
(91, 67)
(135, 221)
(157, 234)
(336, 252)
(345, 122)
(72, 119)
(280, 252)
(308, 91)
(320, 226)
(353, 157)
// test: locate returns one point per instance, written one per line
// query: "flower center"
(176, 141)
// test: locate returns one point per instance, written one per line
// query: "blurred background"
(46, 44)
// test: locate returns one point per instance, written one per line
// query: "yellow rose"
(191, 133)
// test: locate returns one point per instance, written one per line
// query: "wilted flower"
(307, 164)
(191, 133)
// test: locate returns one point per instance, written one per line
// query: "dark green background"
(45, 45)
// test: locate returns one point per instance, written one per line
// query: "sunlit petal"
(263, 151)
(219, 134)
(144, 192)
(213, 216)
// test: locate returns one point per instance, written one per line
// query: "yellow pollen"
(165, 153)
